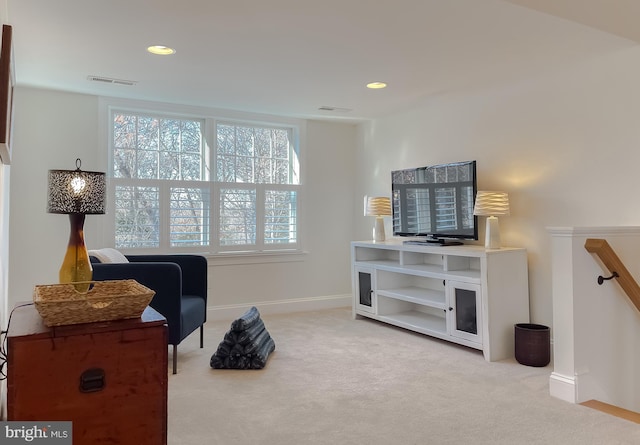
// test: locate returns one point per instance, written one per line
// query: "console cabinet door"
(465, 310)
(365, 289)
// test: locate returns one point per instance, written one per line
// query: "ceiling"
(292, 57)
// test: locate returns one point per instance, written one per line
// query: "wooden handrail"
(611, 261)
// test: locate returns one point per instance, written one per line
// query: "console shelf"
(416, 295)
(418, 322)
(469, 295)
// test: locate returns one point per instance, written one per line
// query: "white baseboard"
(231, 312)
(562, 387)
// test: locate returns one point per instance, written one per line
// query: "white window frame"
(227, 254)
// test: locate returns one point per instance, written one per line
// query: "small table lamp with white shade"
(378, 207)
(491, 204)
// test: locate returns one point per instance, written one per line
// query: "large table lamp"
(491, 204)
(76, 193)
(378, 207)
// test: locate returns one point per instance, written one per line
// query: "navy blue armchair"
(180, 284)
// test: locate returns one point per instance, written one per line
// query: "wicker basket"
(62, 304)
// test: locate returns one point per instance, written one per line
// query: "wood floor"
(613, 410)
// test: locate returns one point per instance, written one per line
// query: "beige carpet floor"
(335, 380)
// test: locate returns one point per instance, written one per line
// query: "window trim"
(241, 254)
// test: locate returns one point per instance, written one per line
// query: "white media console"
(465, 294)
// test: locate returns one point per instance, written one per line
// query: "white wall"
(54, 128)
(51, 130)
(565, 147)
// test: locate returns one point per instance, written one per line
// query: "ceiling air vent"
(338, 109)
(110, 80)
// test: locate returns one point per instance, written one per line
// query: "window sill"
(241, 258)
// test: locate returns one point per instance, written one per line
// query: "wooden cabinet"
(464, 294)
(108, 378)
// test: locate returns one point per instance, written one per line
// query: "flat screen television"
(435, 204)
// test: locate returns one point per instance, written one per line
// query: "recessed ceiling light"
(376, 85)
(161, 50)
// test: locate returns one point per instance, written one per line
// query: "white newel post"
(596, 329)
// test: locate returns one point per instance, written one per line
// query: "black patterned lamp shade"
(76, 191)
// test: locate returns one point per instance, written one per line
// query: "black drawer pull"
(92, 380)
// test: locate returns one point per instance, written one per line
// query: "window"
(170, 191)
(258, 175)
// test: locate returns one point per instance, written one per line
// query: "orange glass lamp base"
(76, 266)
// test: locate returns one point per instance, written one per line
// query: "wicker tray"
(62, 304)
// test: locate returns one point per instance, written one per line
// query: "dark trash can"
(532, 344)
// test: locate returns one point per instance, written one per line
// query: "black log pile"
(246, 345)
